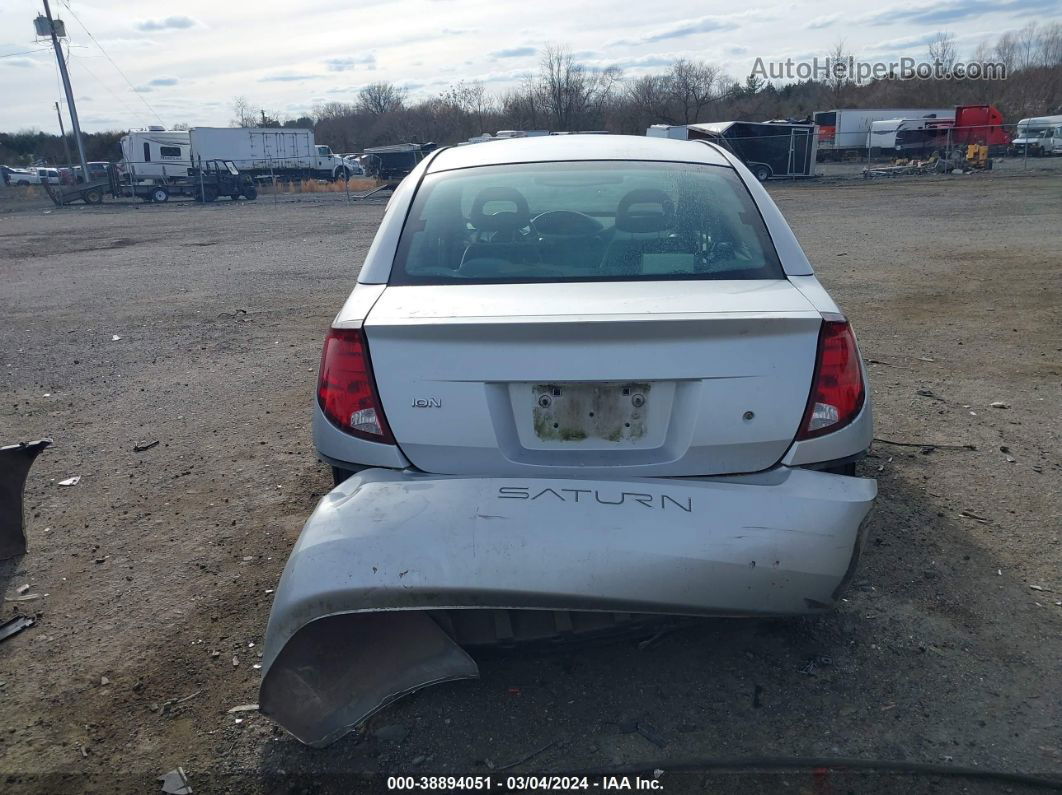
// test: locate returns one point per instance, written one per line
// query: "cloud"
(128, 44)
(681, 29)
(169, 23)
(163, 81)
(287, 77)
(644, 61)
(19, 63)
(513, 52)
(955, 10)
(818, 23)
(345, 63)
(905, 43)
(143, 89)
(458, 31)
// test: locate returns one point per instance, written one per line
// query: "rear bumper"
(348, 632)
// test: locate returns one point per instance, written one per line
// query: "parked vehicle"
(168, 156)
(281, 152)
(97, 169)
(1028, 133)
(155, 155)
(44, 176)
(581, 380)
(396, 161)
(922, 137)
(16, 176)
(769, 149)
(980, 124)
(843, 132)
(1050, 142)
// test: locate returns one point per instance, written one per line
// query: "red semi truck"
(979, 124)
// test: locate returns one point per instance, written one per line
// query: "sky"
(162, 62)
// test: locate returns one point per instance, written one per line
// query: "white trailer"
(844, 131)
(884, 135)
(283, 152)
(155, 155)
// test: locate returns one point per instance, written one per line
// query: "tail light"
(837, 390)
(346, 389)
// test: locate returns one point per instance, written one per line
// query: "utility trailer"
(769, 149)
(216, 178)
(395, 161)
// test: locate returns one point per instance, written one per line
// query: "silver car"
(581, 381)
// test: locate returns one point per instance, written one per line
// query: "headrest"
(507, 220)
(645, 210)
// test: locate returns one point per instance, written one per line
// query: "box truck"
(281, 152)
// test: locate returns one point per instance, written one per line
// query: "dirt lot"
(153, 572)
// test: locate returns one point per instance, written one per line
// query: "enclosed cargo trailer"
(769, 149)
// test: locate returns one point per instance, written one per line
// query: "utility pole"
(62, 132)
(68, 89)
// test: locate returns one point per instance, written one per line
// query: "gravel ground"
(152, 574)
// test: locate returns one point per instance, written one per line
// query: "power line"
(117, 68)
(24, 52)
(81, 63)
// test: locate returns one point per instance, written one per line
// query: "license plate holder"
(575, 412)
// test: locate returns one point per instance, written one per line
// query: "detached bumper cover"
(336, 649)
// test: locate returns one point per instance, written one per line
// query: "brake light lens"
(837, 390)
(346, 389)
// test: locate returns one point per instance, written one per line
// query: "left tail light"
(837, 389)
(346, 389)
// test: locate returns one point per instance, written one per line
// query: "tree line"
(564, 94)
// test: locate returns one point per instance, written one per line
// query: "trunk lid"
(668, 378)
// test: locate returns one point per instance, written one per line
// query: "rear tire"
(761, 172)
(159, 195)
(94, 196)
(250, 193)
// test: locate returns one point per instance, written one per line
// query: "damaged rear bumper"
(350, 629)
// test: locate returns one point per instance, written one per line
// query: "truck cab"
(330, 165)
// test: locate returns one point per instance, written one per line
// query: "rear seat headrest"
(645, 210)
(504, 221)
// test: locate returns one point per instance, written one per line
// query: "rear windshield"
(583, 221)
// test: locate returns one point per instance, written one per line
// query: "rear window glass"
(583, 221)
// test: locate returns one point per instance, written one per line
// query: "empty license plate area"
(610, 412)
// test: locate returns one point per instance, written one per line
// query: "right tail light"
(837, 389)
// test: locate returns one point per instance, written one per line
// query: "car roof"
(547, 148)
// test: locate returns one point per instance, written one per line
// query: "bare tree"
(472, 100)
(691, 86)
(243, 112)
(839, 79)
(380, 98)
(942, 51)
(649, 94)
(562, 85)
